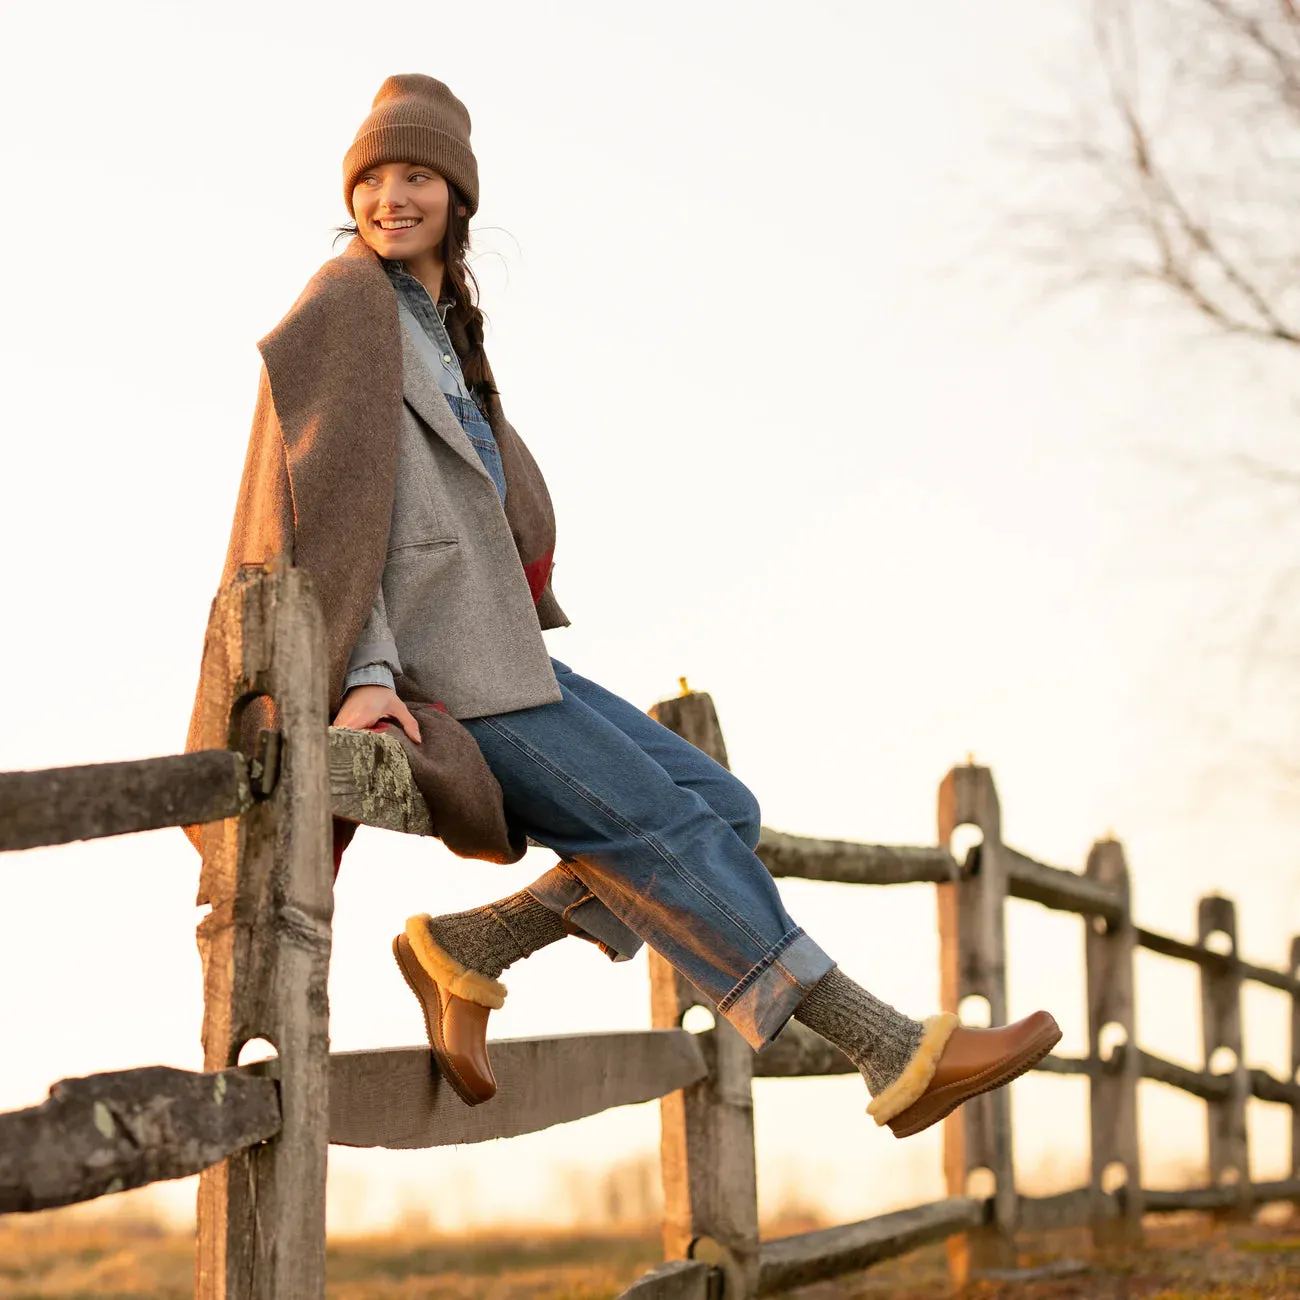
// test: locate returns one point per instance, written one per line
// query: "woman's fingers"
(364, 706)
(407, 720)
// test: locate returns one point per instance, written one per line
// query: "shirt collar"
(398, 273)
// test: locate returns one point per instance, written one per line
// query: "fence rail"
(257, 1133)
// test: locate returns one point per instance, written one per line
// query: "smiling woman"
(382, 459)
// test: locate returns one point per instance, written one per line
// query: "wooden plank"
(1273, 978)
(1287, 1189)
(707, 1130)
(105, 1133)
(395, 1097)
(1179, 948)
(1200, 1083)
(831, 1252)
(265, 943)
(57, 805)
(972, 957)
(1070, 1209)
(679, 1279)
(1053, 1064)
(1264, 1086)
(370, 782)
(1109, 944)
(1219, 1198)
(1184, 951)
(1065, 891)
(799, 1052)
(852, 863)
(1221, 1028)
(1192, 1198)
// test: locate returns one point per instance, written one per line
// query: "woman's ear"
(461, 209)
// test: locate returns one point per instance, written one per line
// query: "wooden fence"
(258, 1133)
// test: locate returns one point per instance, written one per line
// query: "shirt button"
(446, 356)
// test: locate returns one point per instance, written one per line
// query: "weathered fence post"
(707, 1141)
(972, 960)
(1221, 1028)
(1294, 971)
(265, 943)
(1113, 1085)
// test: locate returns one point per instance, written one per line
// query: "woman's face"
(401, 210)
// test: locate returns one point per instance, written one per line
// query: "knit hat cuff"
(412, 142)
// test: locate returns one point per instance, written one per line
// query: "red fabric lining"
(537, 572)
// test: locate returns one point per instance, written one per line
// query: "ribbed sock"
(487, 939)
(879, 1039)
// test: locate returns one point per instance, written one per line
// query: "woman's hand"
(363, 706)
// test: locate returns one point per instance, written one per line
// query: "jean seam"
(645, 836)
(771, 960)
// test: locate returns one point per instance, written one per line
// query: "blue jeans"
(656, 844)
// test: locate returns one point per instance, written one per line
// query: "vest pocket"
(415, 548)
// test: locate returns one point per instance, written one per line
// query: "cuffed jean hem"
(575, 904)
(761, 1004)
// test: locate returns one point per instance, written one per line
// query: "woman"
(381, 460)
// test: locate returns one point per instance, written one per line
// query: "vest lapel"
(424, 396)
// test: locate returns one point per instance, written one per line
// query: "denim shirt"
(426, 325)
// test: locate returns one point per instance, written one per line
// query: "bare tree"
(1176, 183)
(1188, 153)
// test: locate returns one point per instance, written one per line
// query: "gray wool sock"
(879, 1039)
(487, 939)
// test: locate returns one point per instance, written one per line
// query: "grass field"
(1188, 1257)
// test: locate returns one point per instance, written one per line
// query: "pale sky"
(814, 441)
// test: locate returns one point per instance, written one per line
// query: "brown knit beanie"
(415, 119)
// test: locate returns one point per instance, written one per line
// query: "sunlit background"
(817, 439)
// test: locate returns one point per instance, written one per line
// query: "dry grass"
(1188, 1257)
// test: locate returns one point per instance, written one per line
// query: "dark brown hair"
(465, 317)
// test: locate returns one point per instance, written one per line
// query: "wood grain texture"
(395, 1098)
(972, 960)
(707, 1139)
(830, 1252)
(1109, 944)
(370, 782)
(105, 1133)
(265, 943)
(852, 863)
(1221, 1027)
(1066, 891)
(679, 1279)
(57, 805)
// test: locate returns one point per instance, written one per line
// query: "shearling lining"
(919, 1070)
(447, 972)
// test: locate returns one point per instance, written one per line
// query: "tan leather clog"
(456, 1003)
(972, 1061)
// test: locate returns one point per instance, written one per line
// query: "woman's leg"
(652, 854)
(562, 889)
(655, 854)
(488, 939)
